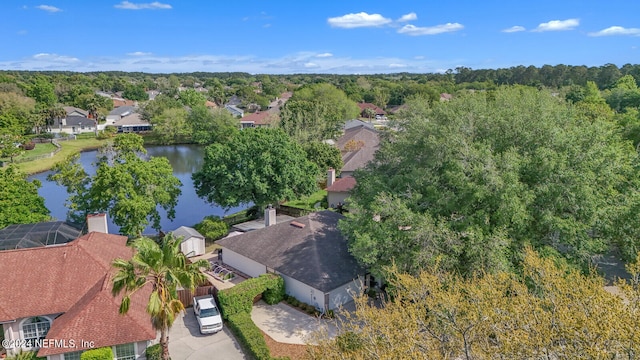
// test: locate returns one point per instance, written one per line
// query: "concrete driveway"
(186, 342)
(285, 324)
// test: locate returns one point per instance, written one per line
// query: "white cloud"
(558, 25)
(55, 58)
(408, 17)
(430, 30)
(151, 6)
(513, 29)
(139, 53)
(48, 8)
(361, 19)
(299, 62)
(324, 55)
(616, 30)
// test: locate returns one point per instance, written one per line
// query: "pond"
(185, 160)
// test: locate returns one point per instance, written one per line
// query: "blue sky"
(332, 36)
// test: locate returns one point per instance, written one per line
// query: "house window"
(125, 352)
(72, 355)
(35, 328)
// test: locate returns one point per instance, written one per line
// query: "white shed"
(192, 241)
(308, 252)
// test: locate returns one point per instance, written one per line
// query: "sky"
(314, 36)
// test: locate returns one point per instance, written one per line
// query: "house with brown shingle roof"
(358, 146)
(377, 111)
(57, 299)
(258, 119)
(338, 190)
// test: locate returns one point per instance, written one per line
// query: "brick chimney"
(269, 216)
(97, 223)
(331, 176)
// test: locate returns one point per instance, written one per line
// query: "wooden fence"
(186, 295)
(292, 211)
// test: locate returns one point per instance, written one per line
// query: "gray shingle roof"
(316, 255)
(122, 110)
(186, 232)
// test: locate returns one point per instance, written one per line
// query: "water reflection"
(185, 159)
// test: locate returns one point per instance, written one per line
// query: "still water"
(185, 160)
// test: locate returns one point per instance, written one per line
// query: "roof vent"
(297, 224)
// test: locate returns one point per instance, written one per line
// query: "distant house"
(118, 102)
(310, 254)
(358, 146)
(132, 123)
(192, 241)
(235, 111)
(377, 111)
(118, 113)
(74, 111)
(62, 295)
(258, 119)
(24, 236)
(338, 190)
(350, 124)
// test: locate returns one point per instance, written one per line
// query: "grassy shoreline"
(69, 147)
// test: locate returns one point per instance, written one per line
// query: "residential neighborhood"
(192, 216)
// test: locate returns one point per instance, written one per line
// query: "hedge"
(239, 299)
(154, 352)
(103, 353)
(250, 336)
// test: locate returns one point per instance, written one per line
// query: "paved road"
(186, 342)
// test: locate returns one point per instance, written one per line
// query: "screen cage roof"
(24, 236)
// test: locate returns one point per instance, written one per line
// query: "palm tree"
(164, 268)
(57, 112)
(92, 107)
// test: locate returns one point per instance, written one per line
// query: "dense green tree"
(17, 113)
(163, 268)
(317, 112)
(135, 92)
(127, 185)
(171, 126)
(19, 199)
(325, 156)
(42, 91)
(474, 179)
(211, 126)
(191, 98)
(156, 107)
(259, 166)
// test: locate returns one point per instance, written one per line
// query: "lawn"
(69, 147)
(39, 150)
(309, 202)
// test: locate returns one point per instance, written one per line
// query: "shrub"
(275, 293)
(153, 352)
(29, 146)
(103, 353)
(239, 299)
(212, 228)
(249, 335)
(26, 355)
